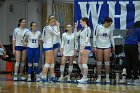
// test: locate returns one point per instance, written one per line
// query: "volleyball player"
(33, 39)
(47, 37)
(19, 48)
(56, 40)
(68, 49)
(85, 47)
(102, 40)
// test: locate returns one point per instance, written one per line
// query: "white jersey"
(33, 39)
(48, 35)
(69, 43)
(103, 37)
(84, 37)
(1, 51)
(18, 36)
(56, 38)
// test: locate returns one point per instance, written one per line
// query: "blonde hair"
(50, 20)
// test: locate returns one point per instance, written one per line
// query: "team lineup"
(27, 43)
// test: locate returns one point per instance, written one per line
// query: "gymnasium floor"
(8, 86)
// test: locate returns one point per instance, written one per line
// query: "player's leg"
(47, 65)
(84, 59)
(71, 58)
(53, 78)
(36, 63)
(17, 64)
(30, 60)
(23, 62)
(99, 56)
(62, 67)
(55, 54)
(80, 63)
(107, 63)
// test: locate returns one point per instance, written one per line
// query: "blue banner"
(123, 12)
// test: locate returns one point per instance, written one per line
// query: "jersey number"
(68, 42)
(104, 34)
(33, 40)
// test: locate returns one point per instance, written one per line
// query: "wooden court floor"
(8, 86)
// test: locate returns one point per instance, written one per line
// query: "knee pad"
(70, 67)
(99, 63)
(17, 64)
(36, 64)
(62, 67)
(36, 68)
(84, 66)
(52, 65)
(107, 64)
(22, 64)
(47, 65)
(29, 65)
(80, 66)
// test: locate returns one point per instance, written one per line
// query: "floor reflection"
(33, 87)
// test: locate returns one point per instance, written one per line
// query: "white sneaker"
(83, 81)
(61, 79)
(122, 81)
(22, 78)
(98, 80)
(129, 82)
(29, 79)
(15, 78)
(37, 79)
(124, 72)
(68, 79)
(107, 80)
(43, 79)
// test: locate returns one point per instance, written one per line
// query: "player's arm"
(75, 43)
(40, 40)
(95, 32)
(25, 37)
(76, 33)
(43, 33)
(62, 42)
(57, 33)
(88, 32)
(95, 36)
